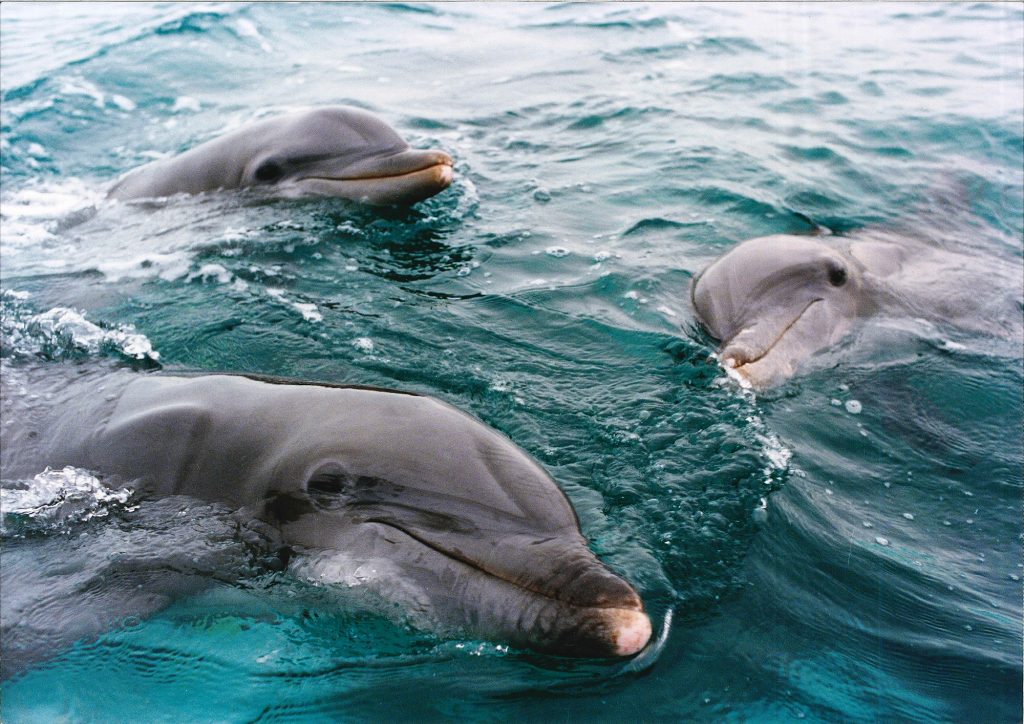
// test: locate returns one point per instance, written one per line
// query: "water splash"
(62, 332)
(54, 498)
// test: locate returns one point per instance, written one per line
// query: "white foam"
(363, 344)
(82, 87)
(56, 495)
(83, 334)
(31, 215)
(125, 104)
(185, 103)
(310, 312)
(214, 272)
(247, 29)
(167, 266)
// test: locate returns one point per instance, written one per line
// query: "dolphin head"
(439, 513)
(775, 300)
(339, 152)
(346, 153)
(480, 534)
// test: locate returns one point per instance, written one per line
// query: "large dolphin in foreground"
(341, 152)
(775, 300)
(472, 524)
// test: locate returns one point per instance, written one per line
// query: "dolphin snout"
(442, 158)
(600, 632)
(604, 615)
(737, 354)
(630, 631)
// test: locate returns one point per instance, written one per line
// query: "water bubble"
(363, 344)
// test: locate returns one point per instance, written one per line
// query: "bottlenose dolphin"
(342, 152)
(775, 300)
(475, 527)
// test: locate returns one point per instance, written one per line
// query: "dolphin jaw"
(609, 623)
(739, 359)
(427, 174)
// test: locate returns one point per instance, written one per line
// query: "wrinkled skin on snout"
(774, 301)
(338, 152)
(460, 524)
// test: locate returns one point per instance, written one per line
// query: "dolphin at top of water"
(342, 152)
(474, 525)
(775, 300)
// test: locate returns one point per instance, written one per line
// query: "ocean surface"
(846, 547)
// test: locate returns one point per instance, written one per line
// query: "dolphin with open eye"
(773, 301)
(466, 519)
(340, 152)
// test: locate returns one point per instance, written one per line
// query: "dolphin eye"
(328, 484)
(269, 171)
(836, 275)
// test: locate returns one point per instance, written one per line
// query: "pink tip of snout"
(445, 175)
(633, 631)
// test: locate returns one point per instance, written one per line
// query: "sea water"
(846, 547)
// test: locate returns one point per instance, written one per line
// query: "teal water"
(802, 557)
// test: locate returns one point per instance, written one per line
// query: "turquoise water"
(801, 556)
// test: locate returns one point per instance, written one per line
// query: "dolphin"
(774, 301)
(340, 152)
(469, 522)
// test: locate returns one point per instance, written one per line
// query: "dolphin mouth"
(394, 166)
(617, 627)
(402, 178)
(754, 366)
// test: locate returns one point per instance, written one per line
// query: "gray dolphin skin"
(775, 300)
(339, 152)
(464, 518)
